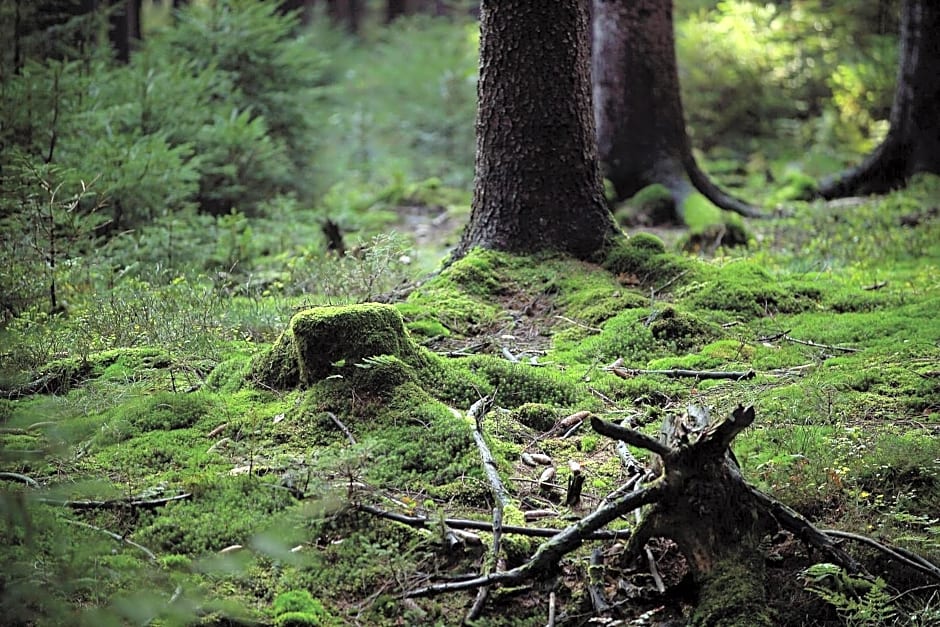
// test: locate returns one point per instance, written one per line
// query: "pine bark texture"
(641, 132)
(537, 178)
(913, 141)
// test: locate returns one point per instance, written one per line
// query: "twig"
(342, 427)
(844, 349)
(117, 537)
(896, 553)
(653, 292)
(551, 609)
(508, 355)
(628, 373)
(578, 324)
(660, 586)
(421, 522)
(21, 478)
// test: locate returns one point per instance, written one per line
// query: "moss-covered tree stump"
(323, 341)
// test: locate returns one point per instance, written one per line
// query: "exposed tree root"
(701, 501)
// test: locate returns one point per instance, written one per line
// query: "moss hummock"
(324, 340)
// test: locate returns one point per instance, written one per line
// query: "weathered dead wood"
(15, 476)
(117, 503)
(500, 499)
(422, 522)
(342, 427)
(629, 373)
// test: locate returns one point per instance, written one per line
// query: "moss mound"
(330, 340)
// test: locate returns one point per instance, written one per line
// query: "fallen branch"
(898, 554)
(117, 503)
(629, 373)
(150, 555)
(500, 498)
(342, 427)
(844, 349)
(21, 478)
(422, 522)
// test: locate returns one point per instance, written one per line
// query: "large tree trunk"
(537, 182)
(913, 141)
(641, 132)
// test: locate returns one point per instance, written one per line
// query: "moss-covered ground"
(835, 310)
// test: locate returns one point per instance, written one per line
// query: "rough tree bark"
(913, 141)
(641, 132)
(537, 181)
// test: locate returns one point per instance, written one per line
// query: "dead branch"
(422, 522)
(15, 476)
(500, 500)
(844, 349)
(117, 503)
(630, 436)
(629, 373)
(342, 427)
(150, 555)
(898, 554)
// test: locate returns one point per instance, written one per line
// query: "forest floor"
(141, 489)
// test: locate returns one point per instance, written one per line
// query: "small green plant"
(860, 602)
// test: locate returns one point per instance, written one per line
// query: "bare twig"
(551, 609)
(660, 586)
(844, 349)
(342, 427)
(117, 537)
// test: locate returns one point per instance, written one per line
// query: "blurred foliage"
(814, 72)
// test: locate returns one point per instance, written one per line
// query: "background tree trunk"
(913, 141)
(303, 7)
(346, 13)
(637, 105)
(537, 180)
(124, 29)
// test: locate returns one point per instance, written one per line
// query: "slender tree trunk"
(537, 178)
(913, 141)
(346, 13)
(124, 29)
(641, 132)
(303, 7)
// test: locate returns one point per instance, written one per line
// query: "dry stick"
(117, 537)
(500, 498)
(627, 373)
(550, 552)
(21, 478)
(421, 522)
(116, 503)
(660, 586)
(551, 609)
(844, 349)
(896, 553)
(634, 438)
(342, 427)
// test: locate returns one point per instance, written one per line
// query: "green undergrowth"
(368, 403)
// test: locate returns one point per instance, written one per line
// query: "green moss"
(230, 375)
(538, 416)
(298, 608)
(747, 288)
(732, 595)
(653, 203)
(642, 259)
(277, 368)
